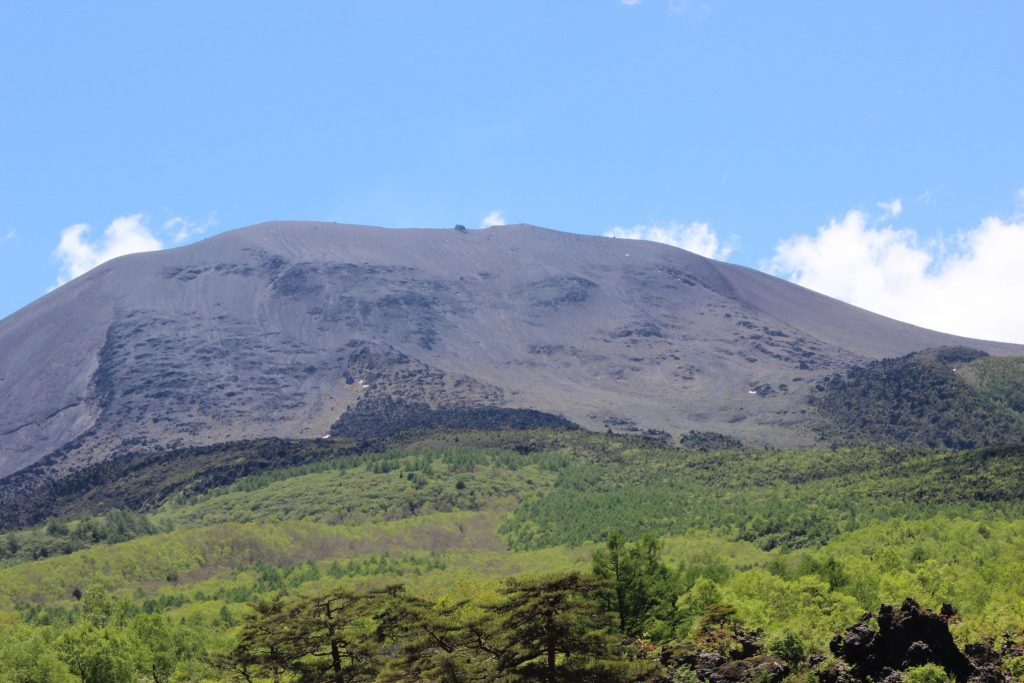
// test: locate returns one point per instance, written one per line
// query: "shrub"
(929, 673)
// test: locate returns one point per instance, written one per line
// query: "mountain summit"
(297, 328)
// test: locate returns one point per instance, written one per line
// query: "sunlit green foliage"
(775, 498)
(27, 655)
(663, 543)
(928, 673)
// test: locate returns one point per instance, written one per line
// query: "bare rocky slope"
(282, 328)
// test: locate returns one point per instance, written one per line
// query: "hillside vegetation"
(951, 397)
(450, 533)
(1000, 380)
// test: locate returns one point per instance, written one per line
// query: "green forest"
(532, 555)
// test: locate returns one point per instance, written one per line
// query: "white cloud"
(184, 229)
(78, 254)
(970, 285)
(493, 218)
(695, 237)
(126, 235)
(891, 209)
(9, 235)
(629, 3)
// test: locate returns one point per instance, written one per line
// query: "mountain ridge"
(278, 329)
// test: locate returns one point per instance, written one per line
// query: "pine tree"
(640, 582)
(554, 628)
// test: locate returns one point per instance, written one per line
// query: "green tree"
(695, 603)
(98, 655)
(789, 648)
(338, 630)
(162, 646)
(329, 637)
(442, 642)
(555, 628)
(225, 617)
(640, 581)
(260, 650)
(97, 606)
(27, 656)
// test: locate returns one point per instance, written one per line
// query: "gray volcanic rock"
(278, 329)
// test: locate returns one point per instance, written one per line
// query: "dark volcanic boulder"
(986, 662)
(982, 654)
(909, 636)
(757, 668)
(989, 673)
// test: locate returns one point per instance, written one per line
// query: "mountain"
(304, 329)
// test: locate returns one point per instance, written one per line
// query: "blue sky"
(871, 150)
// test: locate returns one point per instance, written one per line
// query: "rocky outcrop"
(725, 652)
(758, 667)
(907, 637)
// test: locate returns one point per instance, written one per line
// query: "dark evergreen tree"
(640, 582)
(435, 642)
(555, 628)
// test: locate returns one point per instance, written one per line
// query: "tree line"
(568, 626)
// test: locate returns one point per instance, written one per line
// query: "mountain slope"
(925, 399)
(279, 329)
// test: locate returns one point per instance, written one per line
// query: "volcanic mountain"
(300, 328)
